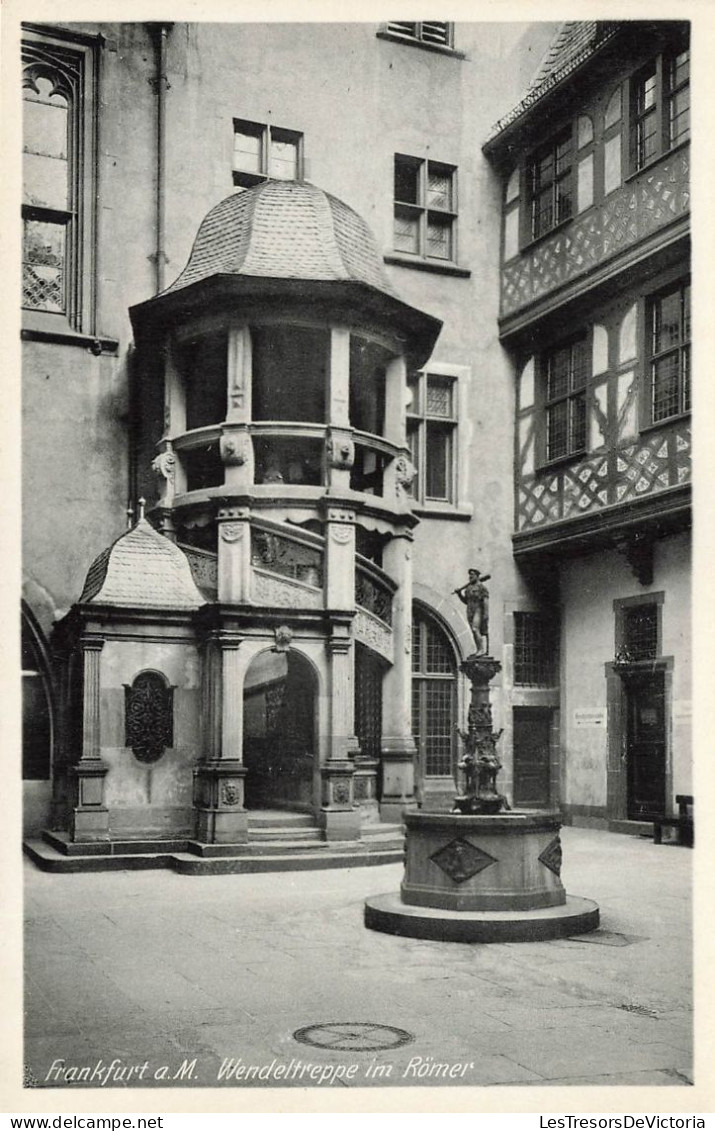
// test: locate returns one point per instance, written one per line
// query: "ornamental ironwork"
(149, 716)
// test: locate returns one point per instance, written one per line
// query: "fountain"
(484, 872)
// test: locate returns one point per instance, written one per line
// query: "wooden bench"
(684, 822)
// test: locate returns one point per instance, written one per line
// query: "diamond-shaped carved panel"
(461, 860)
(552, 856)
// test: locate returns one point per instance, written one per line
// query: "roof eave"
(499, 141)
(419, 329)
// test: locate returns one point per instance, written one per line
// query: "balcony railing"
(286, 453)
(374, 590)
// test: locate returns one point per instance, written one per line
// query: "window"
(431, 435)
(425, 208)
(57, 208)
(430, 32)
(434, 695)
(566, 371)
(640, 632)
(670, 353)
(660, 106)
(263, 153)
(534, 651)
(550, 184)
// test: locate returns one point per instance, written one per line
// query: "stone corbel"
(234, 448)
(164, 465)
(341, 450)
(637, 549)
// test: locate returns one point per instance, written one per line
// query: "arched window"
(58, 197)
(434, 696)
(36, 705)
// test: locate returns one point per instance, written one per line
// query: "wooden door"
(532, 757)
(645, 745)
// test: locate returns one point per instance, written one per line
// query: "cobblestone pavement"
(153, 971)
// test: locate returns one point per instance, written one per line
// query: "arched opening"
(434, 705)
(36, 704)
(279, 731)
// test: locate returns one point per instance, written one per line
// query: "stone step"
(305, 835)
(349, 854)
(279, 819)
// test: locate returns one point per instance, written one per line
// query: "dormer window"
(262, 153)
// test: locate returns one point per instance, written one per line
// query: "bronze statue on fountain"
(480, 763)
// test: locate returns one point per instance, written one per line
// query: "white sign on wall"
(594, 717)
(682, 710)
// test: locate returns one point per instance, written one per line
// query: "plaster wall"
(151, 799)
(589, 587)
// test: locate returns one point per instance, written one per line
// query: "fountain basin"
(489, 862)
(482, 878)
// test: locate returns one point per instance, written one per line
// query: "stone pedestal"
(90, 817)
(339, 819)
(218, 801)
(365, 788)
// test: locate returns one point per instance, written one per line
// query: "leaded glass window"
(550, 183)
(58, 199)
(670, 352)
(640, 632)
(434, 674)
(534, 651)
(566, 372)
(425, 211)
(432, 436)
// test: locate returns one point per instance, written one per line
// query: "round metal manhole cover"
(353, 1036)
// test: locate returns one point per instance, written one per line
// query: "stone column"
(90, 816)
(174, 412)
(396, 402)
(167, 466)
(339, 818)
(235, 445)
(340, 449)
(219, 781)
(234, 555)
(398, 746)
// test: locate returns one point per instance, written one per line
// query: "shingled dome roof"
(142, 569)
(285, 230)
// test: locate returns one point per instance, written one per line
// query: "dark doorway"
(369, 671)
(532, 757)
(279, 732)
(645, 745)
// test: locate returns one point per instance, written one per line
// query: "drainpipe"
(161, 85)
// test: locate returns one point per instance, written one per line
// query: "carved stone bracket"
(341, 451)
(233, 447)
(405, 472)
(284, 638)
(165, 463)
(638, 552)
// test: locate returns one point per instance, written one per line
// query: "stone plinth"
(482, 878)
(483, 863)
